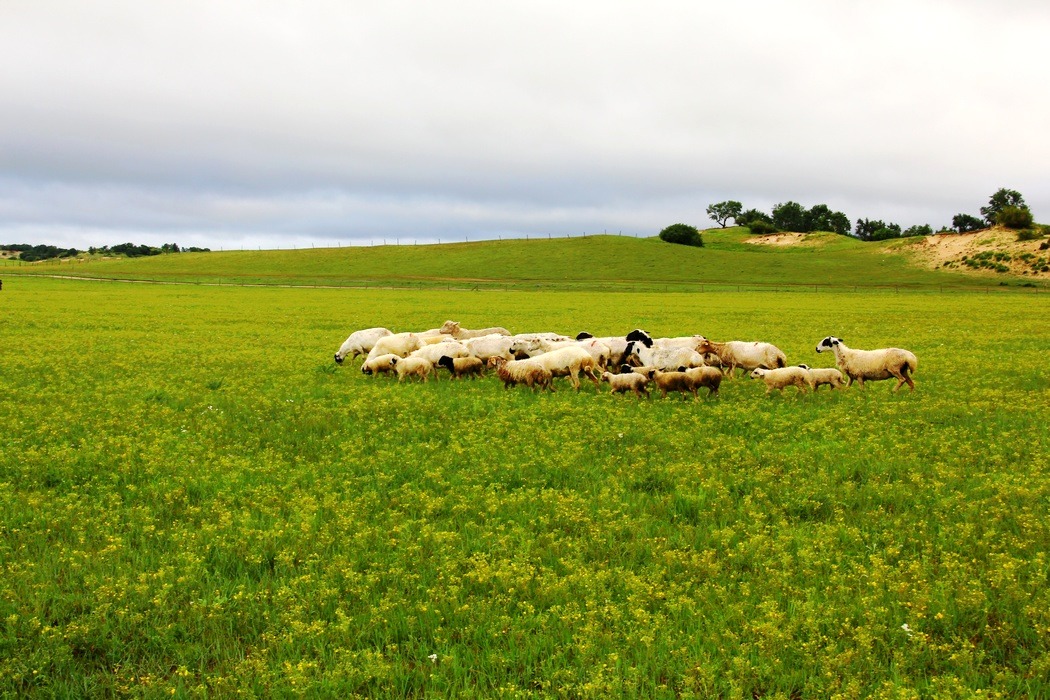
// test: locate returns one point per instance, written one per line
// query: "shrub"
(761, 228)
(683, 234)
(1015, 217)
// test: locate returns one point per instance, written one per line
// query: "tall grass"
(195, 500)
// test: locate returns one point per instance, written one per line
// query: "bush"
(683, 234)
(761, 228)
(1014, 217)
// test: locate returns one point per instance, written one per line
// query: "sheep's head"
(803, 366)
(449, 327)
(338, 359)
(757, 374)
(445, 361)
(583, 335)
(497, 361)
(640, 336)
(606, 376)
(704, 346)
(828, 343)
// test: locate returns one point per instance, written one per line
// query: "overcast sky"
(227, 123)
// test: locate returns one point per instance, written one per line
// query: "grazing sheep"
(418, 366)
(525, 372)
(435, 352)
(462, 366)
(453, 328)
(622, 383)
(360, 343)
(825, 375)
(875, 365)
(400, 344)
(747, 356)
(783, 376)
(382, 364)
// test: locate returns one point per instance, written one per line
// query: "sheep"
(360, 343)
(418, 366)
(707, 377)
(617, 347)
(383, 364)
(824, 375)
(462, 366)
(783, 376)
(686, 341)
(453, 328)
(435, 351)
(875, 365)
(489, 346)
(745, 355)
(622, 383)
(525, 372)
(400, 344)
(675, 381)
(569, 362)
(666, 358)
(537, 346)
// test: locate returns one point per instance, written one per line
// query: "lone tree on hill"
(964, 223)
(683, 234)
(724, 211)
(1002, 199)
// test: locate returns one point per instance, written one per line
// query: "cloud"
(335, 120)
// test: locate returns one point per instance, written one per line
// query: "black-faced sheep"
(462, 366)
(861, 365)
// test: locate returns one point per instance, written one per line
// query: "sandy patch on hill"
(948, 250)
(779, 239)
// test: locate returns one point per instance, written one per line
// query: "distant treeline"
(33, 253)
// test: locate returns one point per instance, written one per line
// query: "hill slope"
(731, 257)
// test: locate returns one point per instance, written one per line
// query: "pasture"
(195, 500)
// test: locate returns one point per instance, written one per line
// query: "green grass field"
(195, 500)
(610, 263)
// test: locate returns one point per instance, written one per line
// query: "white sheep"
(745, 355)
(622, 383)
(435, 351)
(861, 365)
(617, 347)
(534, 347)
(417, 366)
(400, 344)
(489, 346)
(382, 364)
(569, 362)
(667, 358)
(453, 328)
(824, 375)
(782, 377)
(526, 372)
(360, 343)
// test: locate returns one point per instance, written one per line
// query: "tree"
(866, 228)
(724, 211)
(751, 216)
(885, 232)
(821, 218)
(683, 234)
(1001, 199)
(789, 216)
(1014, 217)
(964, 223)
(923, 230)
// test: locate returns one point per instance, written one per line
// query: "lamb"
(675, 381)
(525, 372)
(622, 383)
(453, 328)
(383, 364)
(418, 366)
(707, 377)
(875, 365)
(783, 376)
(462, 366)
(824, 375)
(400, 344)
(360, 343)
(747, 356)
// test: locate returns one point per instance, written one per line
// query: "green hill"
(730, 258)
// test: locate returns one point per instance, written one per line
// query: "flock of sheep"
(628, 363)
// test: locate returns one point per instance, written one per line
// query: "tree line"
(34, 253)
(1006, 208)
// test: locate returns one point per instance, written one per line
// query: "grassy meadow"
(196, 501)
